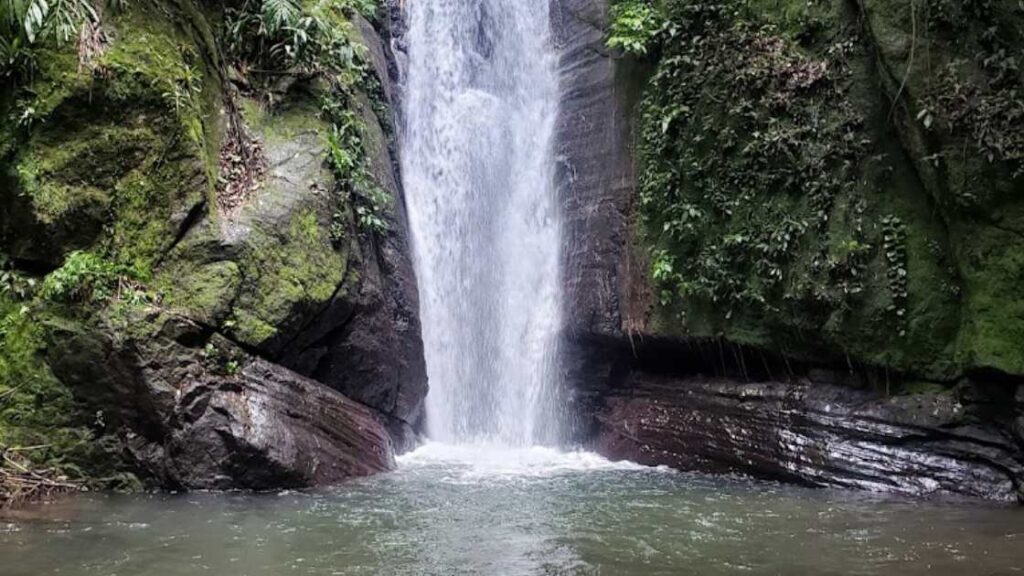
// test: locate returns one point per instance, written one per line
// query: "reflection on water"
(487, 511)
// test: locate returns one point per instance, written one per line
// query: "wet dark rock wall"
(816, 434)
(182, 419)
(646, 391)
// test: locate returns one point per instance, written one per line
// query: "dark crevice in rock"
(718, 357)
(36, 268)
(194, 216)
(321, 371)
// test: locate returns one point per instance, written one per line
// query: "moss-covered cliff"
(792, 247)
(835, 181)
(188, 190)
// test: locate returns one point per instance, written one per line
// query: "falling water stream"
(493, 492)
(480, 104)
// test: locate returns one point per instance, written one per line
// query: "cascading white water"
(481, 98)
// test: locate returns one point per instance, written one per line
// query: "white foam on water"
(488, 460)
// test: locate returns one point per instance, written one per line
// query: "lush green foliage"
(267, 38)
(729, 199)
(347, 157)
(270, 38)
(85, 277)
(981, 99)
(26, 24)
(838, 180)
(634, 26)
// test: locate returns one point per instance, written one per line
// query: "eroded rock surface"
(190, 410)
(813, 433)
(595, 165)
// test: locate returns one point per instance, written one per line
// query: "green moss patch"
(286, 278)
(108, 155)
(39, 418)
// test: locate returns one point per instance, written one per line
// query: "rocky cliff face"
(180, 418)
(817, 433)
(596, 178)
(778, 265)
(186, 263)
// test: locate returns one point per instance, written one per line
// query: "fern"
(280, 14)
(66, 18)
(24, 24)
(38, 20)
(266, 38)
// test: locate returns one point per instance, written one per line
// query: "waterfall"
(481, 97)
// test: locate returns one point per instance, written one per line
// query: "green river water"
(450, 510)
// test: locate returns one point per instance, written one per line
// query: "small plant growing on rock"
(347, 158)
(13, 283)
(25, 25)
(634, 25)
(84, 277)
(225, 361)
(894, 238)
(275, 42)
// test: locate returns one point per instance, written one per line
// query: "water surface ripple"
(465, 510)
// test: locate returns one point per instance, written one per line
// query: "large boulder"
(378, 357)
(152, 183)
(188, 409)
(813, 433)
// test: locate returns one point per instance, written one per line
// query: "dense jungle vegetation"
(835, 179)
(122, 121)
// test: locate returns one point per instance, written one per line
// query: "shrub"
(84, 277)
(634, 25)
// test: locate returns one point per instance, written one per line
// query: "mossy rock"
(108, 156)
(288, 280)
(112, 153)
(119, 158)
(264, 271)
(958, 118)
(37, 410)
